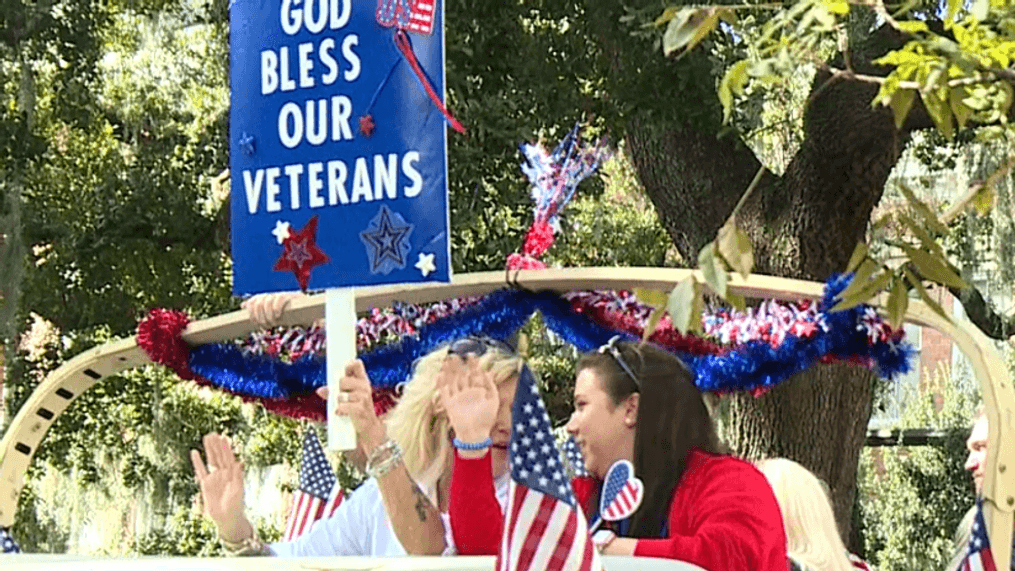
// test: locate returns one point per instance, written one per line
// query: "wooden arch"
(76, 376)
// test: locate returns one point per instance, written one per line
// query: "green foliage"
(912, 498)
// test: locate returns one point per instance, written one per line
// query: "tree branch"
(983, 315)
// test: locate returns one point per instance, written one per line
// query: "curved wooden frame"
(79, 374)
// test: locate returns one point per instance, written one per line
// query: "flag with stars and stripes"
(319, 494)
(575, 460)
(544, 529)
(9, 546)
(979, 557)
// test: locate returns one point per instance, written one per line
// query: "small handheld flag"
(622, 494)
(319, 494)
(544, 529)
(575, 460)
(979, 557)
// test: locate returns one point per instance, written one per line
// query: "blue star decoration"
(7, 542)
(246, 143)
(387, 241)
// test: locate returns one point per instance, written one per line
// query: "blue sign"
(338, 144)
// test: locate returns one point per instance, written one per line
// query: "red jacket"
(723, 515)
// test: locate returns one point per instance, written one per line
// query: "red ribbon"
(405, 47)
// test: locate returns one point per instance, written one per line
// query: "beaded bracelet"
(472, 445)
(376, 466)
(246, 547)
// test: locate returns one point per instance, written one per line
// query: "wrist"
(235, 531)
(372, 438)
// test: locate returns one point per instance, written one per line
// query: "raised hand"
(221, 483)
(468, 394)
(356, 401)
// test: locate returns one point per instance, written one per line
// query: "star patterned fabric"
(8, 543)
(300, 253)
(387, 241)
(979, 557)
(575, 460)
(319, 494)
(543, 528)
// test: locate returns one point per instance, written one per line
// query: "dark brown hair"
(672, 419)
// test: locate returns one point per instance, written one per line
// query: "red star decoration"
(366, 125)
(301, 254)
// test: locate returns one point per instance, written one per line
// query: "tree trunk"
(804, 224)
(818, 418)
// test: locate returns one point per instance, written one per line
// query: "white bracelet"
(245, 547)
(376, 467)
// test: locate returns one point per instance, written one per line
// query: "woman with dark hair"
(639, 403)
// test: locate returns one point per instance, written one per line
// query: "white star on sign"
(281, 231)
(425, 264)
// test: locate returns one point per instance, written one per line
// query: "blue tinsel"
(502, 313)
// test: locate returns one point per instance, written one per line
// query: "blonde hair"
(811, 533)
(422, 429)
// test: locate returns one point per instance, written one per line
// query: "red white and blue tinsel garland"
(553, 177)
(755, 350)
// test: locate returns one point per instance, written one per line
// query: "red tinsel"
(159, 335)
(526, 262)
(538, 239)
(664, 334)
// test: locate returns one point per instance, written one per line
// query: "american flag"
(319, 494)
(7, 542)
(858, 563)
(412, 15)
(544, 530)
(979, 557)
(421, 16)
(575, 460)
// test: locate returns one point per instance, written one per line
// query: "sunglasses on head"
(613, 350)
(477, 345)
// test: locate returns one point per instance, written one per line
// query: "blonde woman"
(813, 539)
(402, 507)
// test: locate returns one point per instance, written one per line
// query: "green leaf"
(940, 112)
(913, 26)
(927, 299)
(735, 247)
(866, 290)
(667, 15)
(898, 302)
(859, 255)
(860, 278)
(961, 110)
(953, 10)
(683, 303)
(901, 102)
(651, 297)
(840, 7)
(929, 243)
(934, 268)
(983, 201)
(732, 83)
(712, 270)
(688, 27)
(652, 323)
(923, 210)
(736, 301)
(684, 28)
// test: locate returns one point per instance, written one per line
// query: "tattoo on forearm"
(422, 502)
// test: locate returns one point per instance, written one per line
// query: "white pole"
(340, 321)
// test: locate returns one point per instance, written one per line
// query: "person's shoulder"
(366, 494)
(700, 460)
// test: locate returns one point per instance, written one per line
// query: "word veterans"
(383, 181)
